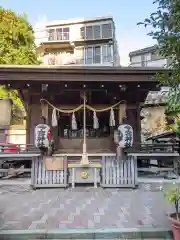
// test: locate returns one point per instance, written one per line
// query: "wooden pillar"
(138, 121)
(45, 112)
(122, 112)
(133, 118)
(26, 98)
(28, 124)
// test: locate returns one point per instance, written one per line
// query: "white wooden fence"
(43, 178)
(119, 173)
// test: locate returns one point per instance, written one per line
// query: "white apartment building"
(147, 57)
(81, 42)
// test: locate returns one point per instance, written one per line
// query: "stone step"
(126, 233)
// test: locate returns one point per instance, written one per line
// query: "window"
(51, 35)
(106, 53)
(58, 34)
(89, 32)
(82, 33)
(66, 33)
(97, 31)
(106, 30)
(97, 54)
(89, 55)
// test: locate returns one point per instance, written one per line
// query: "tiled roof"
(156, 97)
(143, 51)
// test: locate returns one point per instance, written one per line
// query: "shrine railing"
(154, 147)
(47, 172)
(16, 159)
(18, 148)
(118, 172)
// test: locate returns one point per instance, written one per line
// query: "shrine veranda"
(76, 100)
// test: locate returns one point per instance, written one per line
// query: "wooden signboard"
(53, 163)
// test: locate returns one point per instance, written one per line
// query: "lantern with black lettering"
(124, 136)
(42, 136)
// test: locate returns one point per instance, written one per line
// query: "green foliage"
(16, 39)
(165, 25)
(173, 197)
(17, 108)
(17, 47)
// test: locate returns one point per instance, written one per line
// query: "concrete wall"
(16, 134)
(136, 61)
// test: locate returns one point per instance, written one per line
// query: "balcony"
(57, 38)
(65, 58)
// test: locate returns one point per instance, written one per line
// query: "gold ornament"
(84, 175)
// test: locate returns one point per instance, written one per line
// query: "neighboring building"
(82, 42)
(147, 57)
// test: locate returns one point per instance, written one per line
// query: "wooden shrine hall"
(63, 87)
(82, 106)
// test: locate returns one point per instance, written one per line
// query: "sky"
(126, 14)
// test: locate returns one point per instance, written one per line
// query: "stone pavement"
(82, 207)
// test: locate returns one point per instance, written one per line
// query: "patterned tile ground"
(23, 208)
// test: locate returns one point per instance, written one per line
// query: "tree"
(165, 24)
(17, 47)
(16, 39)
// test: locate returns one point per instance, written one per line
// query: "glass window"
(62, 34)
(89, 55)
(109, 53)
(66, 33)
(97, 32)
(106, 53)
(59, 34)
(51, 35)
(106, 30)
(89, 32)
(82, 32)
(97, 54)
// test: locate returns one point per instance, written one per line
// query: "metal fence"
(119, 173)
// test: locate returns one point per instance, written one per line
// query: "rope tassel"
(112, 118)
(73, 123)
(54, 118)
(95, 121)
